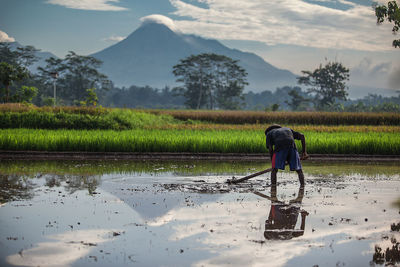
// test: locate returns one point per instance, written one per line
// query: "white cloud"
(98, 5)
(293, 22)
(5, 38)
(114, 38)
(160, 19)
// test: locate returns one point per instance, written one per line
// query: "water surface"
(166, 213)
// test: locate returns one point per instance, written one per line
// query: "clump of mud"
(216, 187)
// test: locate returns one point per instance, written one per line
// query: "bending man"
(282, 149)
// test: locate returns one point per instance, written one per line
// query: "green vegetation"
(92, 129)
(22, 116)
(391, 13)
(205, 141)
(328, 83)
(210, 80)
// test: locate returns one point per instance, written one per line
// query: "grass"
(206, 141)
(79, 118)
(29, 116)
(125, 130)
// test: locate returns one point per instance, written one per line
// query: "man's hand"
(304, 156)
(304, 213)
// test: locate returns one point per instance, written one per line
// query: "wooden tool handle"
(235, 181)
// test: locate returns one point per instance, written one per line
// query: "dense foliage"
(210, 81)
(391, 13)
(76, 80)
(327, 83)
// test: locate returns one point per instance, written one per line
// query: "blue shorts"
(288, 154)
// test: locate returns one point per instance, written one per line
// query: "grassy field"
(22, 116)
(125, 130)
(205, 141)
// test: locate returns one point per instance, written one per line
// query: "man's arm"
(269, 145)
(304, 154)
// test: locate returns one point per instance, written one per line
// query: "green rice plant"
(206, 141)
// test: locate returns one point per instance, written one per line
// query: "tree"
(7, 55)
(14, 68)
(9, 74)
(76, 74)
(91, 98)
(298, 102)
(327, 83)
(25, 94)
(210, 80)
(391, 13)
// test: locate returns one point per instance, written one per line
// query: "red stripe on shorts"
(273, 160)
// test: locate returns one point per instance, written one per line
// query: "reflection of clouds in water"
(68, 248)
(231, 225)
(236, 227)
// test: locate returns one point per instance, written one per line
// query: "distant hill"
(146, 57)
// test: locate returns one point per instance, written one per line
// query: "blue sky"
(290, 34)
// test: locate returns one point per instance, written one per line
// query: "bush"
(89, 118)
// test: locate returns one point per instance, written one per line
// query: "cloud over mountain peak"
(159, 19)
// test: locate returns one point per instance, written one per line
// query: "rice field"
(205, 141)
(283, 117)
(23, 116)
(25, 127)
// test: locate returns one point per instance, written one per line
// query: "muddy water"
(183, 214)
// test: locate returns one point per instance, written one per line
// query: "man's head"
(273, 126)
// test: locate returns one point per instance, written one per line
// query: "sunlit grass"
(204, 141)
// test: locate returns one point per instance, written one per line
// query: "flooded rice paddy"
(165, 213)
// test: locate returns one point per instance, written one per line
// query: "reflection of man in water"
(282, 217)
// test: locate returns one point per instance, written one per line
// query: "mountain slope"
(146, 57)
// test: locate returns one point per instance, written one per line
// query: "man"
(282, 149)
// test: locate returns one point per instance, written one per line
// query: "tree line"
(206, 81)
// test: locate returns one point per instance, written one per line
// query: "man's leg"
(274, 197)
(273, 176)
(295, 164)
(301, 177)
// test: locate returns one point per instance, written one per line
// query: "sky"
(290, 34)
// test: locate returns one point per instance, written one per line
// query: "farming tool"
(235, 181)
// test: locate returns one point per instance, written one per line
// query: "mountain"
(146, 57)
